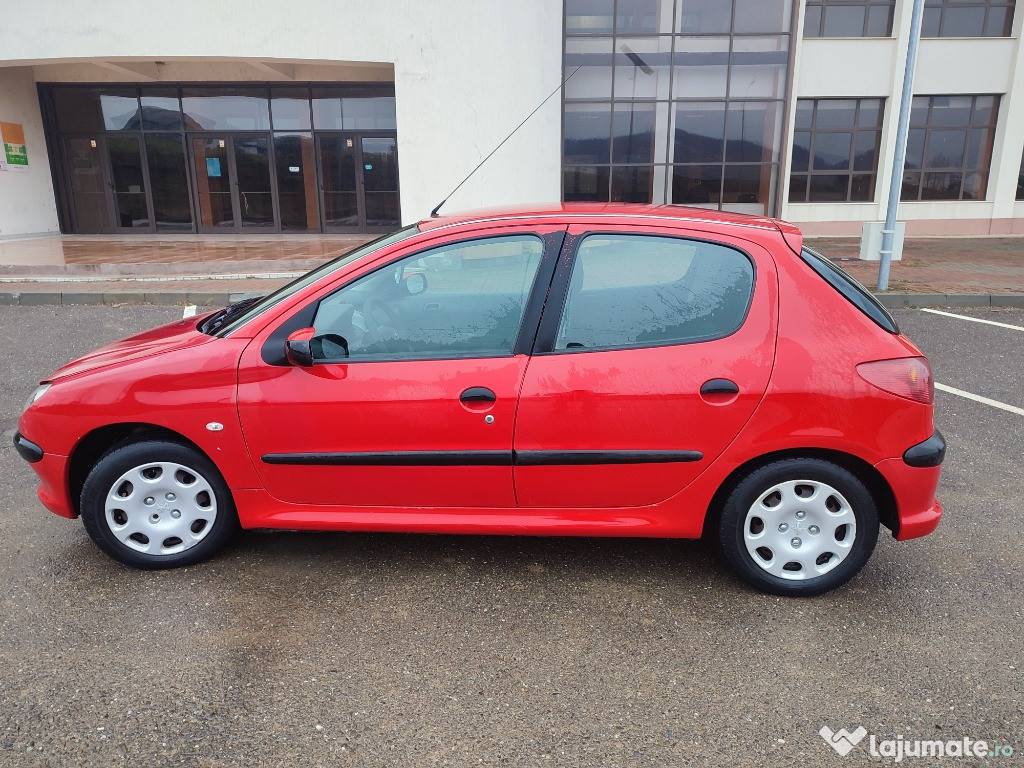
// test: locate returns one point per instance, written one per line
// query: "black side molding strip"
(395, 459)
(565, 458)
(930, 453)
(28, 450)
(480, 458)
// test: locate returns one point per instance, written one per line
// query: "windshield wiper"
(218, 319)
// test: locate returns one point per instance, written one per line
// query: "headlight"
(39, 392)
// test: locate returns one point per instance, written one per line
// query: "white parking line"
(980, 399)
(973, 319)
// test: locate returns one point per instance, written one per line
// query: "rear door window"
(645, 290)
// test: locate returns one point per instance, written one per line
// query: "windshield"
(261, 305)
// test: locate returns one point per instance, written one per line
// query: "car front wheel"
(799, 527)
(157, 504)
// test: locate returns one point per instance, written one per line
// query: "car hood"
(176, 335)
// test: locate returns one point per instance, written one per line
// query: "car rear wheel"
(799, 527)
(157, 504)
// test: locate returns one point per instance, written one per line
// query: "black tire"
(809, 508)
(151, 520)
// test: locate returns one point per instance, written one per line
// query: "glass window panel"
(633, 133)
(812, 26)
(295, 162)
(831, 152)
(631, 184)
(975, 186)
(804, 114)
(639, 16)
(289, 108)
(945, 149)
(915, 148)
(963, 22)
(801, 155)
(979, 148)
(88, 187)
(589, 17)
(635, 291)
(941, 186)
(594, 79)
(919, 110)
(984, 110)
(746, 184)
(374, 113)
(930, 22)
(587, 133)
(698, 185)
(642, 67)
(844, 20)
(750, 132)
(338, 179)
(950, 110)
(759, 67)
(582, 183)
(233, 109)
(762, 16)
(797, 188)
(96, 109)
(161, 110)
(701, 67)
(862, 187)
(213, 181)
(127, 182)
(165, 155)
(472, 306)
(879, 21)
(911, 186)
(869, 113)
(836, 113)
(865, 150)
(829, 188)
(999, 23)
(699, 132)
(705, 17)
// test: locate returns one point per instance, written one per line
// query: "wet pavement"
(365, 650)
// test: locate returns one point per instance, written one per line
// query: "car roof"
(568, 211)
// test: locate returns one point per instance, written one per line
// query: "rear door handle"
(719, 387)
(478, 395)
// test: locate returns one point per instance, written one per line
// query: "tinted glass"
(290, 109)
(234, 109)
(296, 181)
(127, 182)
(587, 133)
(700, 131)
(96, 109)
(165, 153)
(589, 17)
(636, 290)
(161, 110)
(633, 133)
(851, 290)
(472, 303)
(585, 183)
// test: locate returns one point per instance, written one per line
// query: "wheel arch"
(876, 484)
(90, 448)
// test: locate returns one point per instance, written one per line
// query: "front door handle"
(478, 395)
(719, 387)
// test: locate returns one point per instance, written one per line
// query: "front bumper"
(53, 471)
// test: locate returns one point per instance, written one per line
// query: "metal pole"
(900, 156)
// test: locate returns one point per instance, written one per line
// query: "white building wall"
(466, 72)
(26, 197)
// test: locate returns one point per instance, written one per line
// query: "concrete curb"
(219, 298)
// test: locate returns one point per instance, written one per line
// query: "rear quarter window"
(850, 289)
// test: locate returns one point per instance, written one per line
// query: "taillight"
(909, 377)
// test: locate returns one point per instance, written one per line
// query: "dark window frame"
(850, 172)
(824, 5)
(942, 9)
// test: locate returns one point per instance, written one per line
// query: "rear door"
(654, 352)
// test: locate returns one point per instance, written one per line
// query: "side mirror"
(415, 283)
(297, 347)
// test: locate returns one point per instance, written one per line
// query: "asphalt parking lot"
(364, 650)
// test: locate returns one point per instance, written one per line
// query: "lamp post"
(900, 154)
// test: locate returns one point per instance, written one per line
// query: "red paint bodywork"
(794, 358)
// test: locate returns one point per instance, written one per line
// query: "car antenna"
(433, 213)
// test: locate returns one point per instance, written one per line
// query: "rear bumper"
(914, 479)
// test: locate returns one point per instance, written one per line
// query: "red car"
(580, 370)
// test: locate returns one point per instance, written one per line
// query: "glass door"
(337, 155)
(89, 185)
(254, 187)
(128, 184)
(358, 182)
(379, 166)
(210, 157)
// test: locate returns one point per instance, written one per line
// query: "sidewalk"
(985, 271)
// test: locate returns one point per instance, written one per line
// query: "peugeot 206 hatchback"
(606, 370)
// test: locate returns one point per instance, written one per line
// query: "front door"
(358, 182)
(108, 184)
(234, 183)
(411, 400)
(658, 355)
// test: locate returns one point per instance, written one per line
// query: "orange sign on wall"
(14, 157)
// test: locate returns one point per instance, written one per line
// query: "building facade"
(354, 117)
